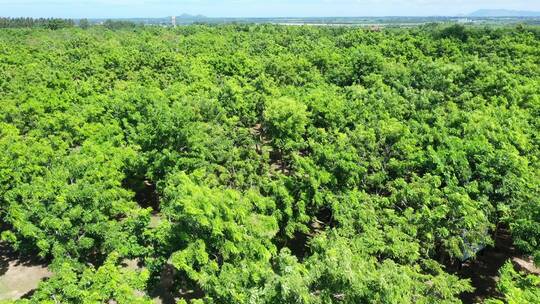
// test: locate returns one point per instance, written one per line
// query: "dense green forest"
(270, 164)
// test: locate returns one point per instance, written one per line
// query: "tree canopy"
(269, 164)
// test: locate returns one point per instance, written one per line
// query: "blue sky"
(252, 8)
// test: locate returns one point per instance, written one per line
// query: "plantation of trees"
(270, 164)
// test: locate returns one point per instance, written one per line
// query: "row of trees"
(48, 23)
(56, 23)
(285, 164)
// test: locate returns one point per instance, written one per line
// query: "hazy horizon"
(253, 8)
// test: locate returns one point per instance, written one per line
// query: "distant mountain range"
(503, 13)
(485, 16)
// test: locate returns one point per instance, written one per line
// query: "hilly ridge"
(503, 13)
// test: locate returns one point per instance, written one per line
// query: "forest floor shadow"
(146, 194)
(484, 270)
(19, 274)
(165, 292)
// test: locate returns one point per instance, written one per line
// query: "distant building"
(173, 21)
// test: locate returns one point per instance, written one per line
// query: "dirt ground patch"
(19, 276)
(526, 264)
